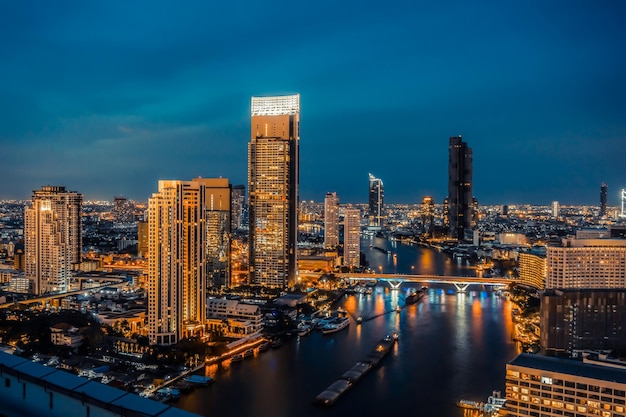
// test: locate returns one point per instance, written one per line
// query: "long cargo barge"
(335, 390)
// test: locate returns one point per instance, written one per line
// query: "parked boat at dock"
(198, 379)
(336, 325)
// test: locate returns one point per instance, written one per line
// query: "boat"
(198, 379)
(415, 296)
(359, 320)
(248, 353)
(236, 358)
(264, 346)
(276, 344)
(337, 325)
(333, 392)
(304, 330)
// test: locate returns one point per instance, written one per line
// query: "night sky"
(108, 97)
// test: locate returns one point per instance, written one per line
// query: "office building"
(532, 270)
(352, 237)
(331, 221)
(555, 209)
(52, 238)
(273, 176)
(603, 192)
(587, 264)
(545, 386)
(238, 206)
(376, 200)
(177, 273)
(123, 210)
(428, 215)
(576, 320)
(218, 221)
(460, 198)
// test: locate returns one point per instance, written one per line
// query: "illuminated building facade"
(460, 199)
(273, 176)
(603, 192)
(123, 210)
(177, 277)
(142, 239)
(238, 200)
(587, 263)
(352, 237)
(428, 215)
(331, 220)
(532, 270)
(555, 209)
(52, 238)
(539, 385)
(218, 221)
(376, 202)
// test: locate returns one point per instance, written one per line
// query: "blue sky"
(107, 98)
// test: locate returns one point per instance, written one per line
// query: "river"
(452, 346)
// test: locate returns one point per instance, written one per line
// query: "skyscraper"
(123, 210)
(52, 238)
(238, 204)
(273, 177)
(603, 191)
(331, 220)
(460, 203)
(177, 274)
(376, 202)
(555, 209)
(352, 237)
(218, 221)
(428, 215)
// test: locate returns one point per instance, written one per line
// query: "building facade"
(273, 177)
(352, 237)
(587, 263)
(428, 215)
(532, 270)
(123, 210)
(218, 206)
(331, 221)
(178, 270)
(52, 238)
(238, 206)
(460, 198)
(376, 203)
(539, 385)
(603, 192)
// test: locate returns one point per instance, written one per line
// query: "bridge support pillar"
(394, 284)
(461, 287)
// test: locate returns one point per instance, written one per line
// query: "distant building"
(532, 270)
(460, 198)
(577, 320)
(586, 264)
(352, 237)
(123, 210)
(505, 210)
(238, 206)
(428, 215)
(376, 200)
(218, 223)
(593, 233)
(142, 239)
(331, 220)
(555, 209)
(19, 258)
(232, 318)
(273, 177)
(538, 385)
(603, 192)
(52, 238)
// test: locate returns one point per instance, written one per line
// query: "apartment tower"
(331, 221)
(376, 202)
(460, 199)
(352, 237)
(603, 192)
(218, 206)
(52, 238)
(273, 177)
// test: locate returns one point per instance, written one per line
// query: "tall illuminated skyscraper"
(352, 237)
(555, 209)
(238, 198)
(331, 220)
(218, 206)
(52, 238)
(376, 202)
(178, 270)
(460, 198)
(273, 177)
(428, 215)
(603, 192)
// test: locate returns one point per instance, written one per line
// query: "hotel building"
(52, 238)
(273, 176)
(352, 237)
(532, 270)
(331, 221)
(545, 386)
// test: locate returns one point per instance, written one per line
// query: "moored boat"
(198, 379)
(337, 325)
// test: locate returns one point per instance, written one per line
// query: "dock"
(335, 390)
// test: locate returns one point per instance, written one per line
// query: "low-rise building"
(233, 318)
(64, 334)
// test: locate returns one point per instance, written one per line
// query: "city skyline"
(96, 97)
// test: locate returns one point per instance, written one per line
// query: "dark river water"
(451, 346)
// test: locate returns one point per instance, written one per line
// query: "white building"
(235, 319)
(352, 237)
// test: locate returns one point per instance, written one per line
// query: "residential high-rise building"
(238, 206)
(331, 220)
(177, 274)
(539, 385)
(52, 238)
(376, 203)
(555, 209)
(352, 237)
(603, 192)
(218, 206)
(460, 198)
(428, 215)
(587, 264)
(123, 210)
(273, 177)
(142, 239)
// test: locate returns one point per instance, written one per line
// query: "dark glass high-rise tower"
(273, 168)
(376, 202)
(460, 198)
(603, 191)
